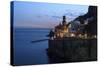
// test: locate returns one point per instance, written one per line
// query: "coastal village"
(72, 29)
(80, 27)
(75, 40)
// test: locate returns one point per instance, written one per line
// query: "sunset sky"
(44, 15)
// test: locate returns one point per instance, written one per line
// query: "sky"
(44, 15)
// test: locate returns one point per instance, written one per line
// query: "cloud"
(38, 16)
(57, 17)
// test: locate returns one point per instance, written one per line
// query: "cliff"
(91, 15)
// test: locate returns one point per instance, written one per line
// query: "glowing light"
(61, 35)
(95, 36)
(72, 35)
(85, 35)
(80, 35)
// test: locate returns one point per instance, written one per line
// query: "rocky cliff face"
(91, 15)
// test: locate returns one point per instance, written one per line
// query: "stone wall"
(74, 49)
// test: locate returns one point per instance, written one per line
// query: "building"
(62, 29)
(68, 29)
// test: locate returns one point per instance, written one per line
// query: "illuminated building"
(65, 29)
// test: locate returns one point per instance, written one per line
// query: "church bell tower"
(64, 20)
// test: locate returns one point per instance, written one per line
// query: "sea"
(27, 52)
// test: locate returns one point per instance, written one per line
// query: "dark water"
(26, 52)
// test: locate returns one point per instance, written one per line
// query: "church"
(67, 29)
